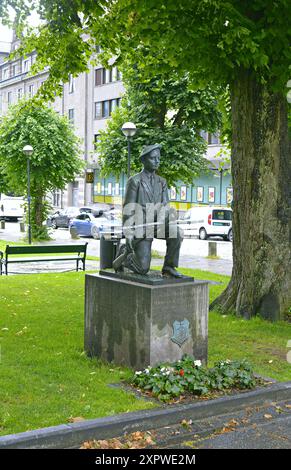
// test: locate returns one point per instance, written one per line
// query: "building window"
(71, 116)
(103, 109)
(200, 195)
(14, 70)
(98, 77)
(26, 65)
(115, 74)
(211, 194)
(71, 84)
(0, 103)
(109, 189)
(104, 76)
(107, 77)
(114, 105)
(57, 198)
(96, 141)
(183, 193)
(98, 110)
(229, 195)
(9, 97)
(31, 90)
(211, 139)
(173, 193)
(19, 93)
(5, 74)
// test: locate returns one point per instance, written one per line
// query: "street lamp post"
(129, 131)
(28, 150)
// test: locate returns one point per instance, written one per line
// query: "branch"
(178, 120)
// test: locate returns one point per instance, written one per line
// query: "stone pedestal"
(136, 324)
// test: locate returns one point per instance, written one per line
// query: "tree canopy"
(166, 110)
(54, 162)
(211, 39)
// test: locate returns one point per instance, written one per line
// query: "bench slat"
(49, 258)
(22, 250)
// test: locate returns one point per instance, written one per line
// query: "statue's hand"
(129, 245)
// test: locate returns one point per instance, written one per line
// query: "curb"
(72, 435)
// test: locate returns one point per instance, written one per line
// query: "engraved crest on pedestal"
(181, 332)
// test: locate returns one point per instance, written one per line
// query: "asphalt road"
(193, 252)
(267, 426)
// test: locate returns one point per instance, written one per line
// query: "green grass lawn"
(45, 377)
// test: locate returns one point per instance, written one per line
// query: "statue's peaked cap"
(148, 148)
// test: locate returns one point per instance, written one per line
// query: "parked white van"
(11, 208)
(208, 221)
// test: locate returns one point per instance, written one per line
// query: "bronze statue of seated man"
(147, 215)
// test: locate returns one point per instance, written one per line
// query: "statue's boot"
(171, 271)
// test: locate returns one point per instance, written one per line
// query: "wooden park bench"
(72, 252)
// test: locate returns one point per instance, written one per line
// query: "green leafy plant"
(167, 381)
(167, 110)
(54, 162)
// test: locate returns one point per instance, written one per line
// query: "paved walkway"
(267, 426)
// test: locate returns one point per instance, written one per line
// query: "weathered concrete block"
(137, 325)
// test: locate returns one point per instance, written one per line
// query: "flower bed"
(189, 376)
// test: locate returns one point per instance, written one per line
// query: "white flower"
(163, 369)
(138, 372)
(147, 371)
(198, 363)
(226, 23)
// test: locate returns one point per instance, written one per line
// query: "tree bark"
(261, 173)
(38, 209)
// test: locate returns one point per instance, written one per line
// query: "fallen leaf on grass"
(288, 406)
(267, 416)
(21, 332)
(76, 419)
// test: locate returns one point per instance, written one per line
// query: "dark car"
(96, 209)
(61, 218)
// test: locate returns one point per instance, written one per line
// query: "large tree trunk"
(261, 173)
